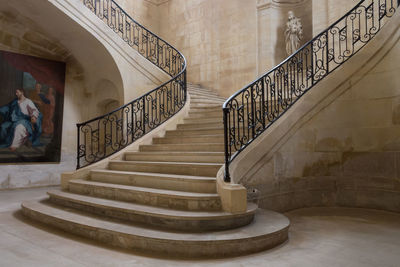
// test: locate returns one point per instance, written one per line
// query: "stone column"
(272, 16)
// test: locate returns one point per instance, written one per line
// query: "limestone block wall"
(228, 43)
(326, 12)
(146, 12)
(348, 152)
(218, 38)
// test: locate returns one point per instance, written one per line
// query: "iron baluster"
(227, 177)
(78, 145)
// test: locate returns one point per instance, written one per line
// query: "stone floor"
(318, 237)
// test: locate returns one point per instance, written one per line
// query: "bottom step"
(268, 230)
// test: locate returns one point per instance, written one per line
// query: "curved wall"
(339, 145)
(102, 72)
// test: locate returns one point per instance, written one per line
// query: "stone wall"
(346, 152)
(228, 43)
(218, 38)
(101, 73)
(16, 36)
(146, 12)
(326, 12)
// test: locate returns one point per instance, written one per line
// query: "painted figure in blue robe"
(21, 121)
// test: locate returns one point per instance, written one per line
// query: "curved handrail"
(105, 135)
(251, 110)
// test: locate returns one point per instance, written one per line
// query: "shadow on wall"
(107, 97)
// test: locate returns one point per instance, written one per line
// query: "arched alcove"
(106, 96)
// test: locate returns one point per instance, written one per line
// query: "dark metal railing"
(105, 135)
(251, 110)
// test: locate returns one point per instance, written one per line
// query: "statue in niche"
(293, 33)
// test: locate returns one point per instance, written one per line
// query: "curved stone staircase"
(162, 199)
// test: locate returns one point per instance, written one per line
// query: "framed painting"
(31, 108)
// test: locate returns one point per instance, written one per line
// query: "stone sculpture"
(293, 33)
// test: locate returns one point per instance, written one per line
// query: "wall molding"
(157, 2)
(265, 4)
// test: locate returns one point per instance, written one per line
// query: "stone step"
(195, 89)
(211, 122)
(199, 184)
(192, 120)
(268, 230)
(181, 168)
(208, 147)
(206, 106)
(188, 183)
(199, 125)
(147, 196)
(214, 110)
(190, 139)
(199, 98)
(206, 96)
(200, 132)
(206, 114)
(206, 103)
(177, 220)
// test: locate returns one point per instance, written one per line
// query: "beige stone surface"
(138, 190)
(343, 150)
(318, 237)
(145, 12)
(326, 12)
(233, 196)
(100, 75)
(218, 38)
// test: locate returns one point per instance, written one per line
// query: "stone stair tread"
(183, 153)
(191, 147)
(182, 144)
(207, 97)
(265, 222)
(164, 192)
(210, 116)
(203, 135)
(167, 163)
(200, 123)
(206, 101)
(209, 128)
(164, 175)
(202, 120)
(146, 209)
(203, 93)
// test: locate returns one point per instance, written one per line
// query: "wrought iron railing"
(105, 135)
(251, 110)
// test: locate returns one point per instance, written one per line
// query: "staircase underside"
(163, 199)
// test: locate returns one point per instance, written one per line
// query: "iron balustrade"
(251, 110)
(105, 135)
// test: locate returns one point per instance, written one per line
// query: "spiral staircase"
(164, 197)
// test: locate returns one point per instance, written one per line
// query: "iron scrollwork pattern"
(105, 135)
(251, 110)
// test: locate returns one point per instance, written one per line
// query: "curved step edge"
(154, 216)
(269, 229)
(149, 196)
